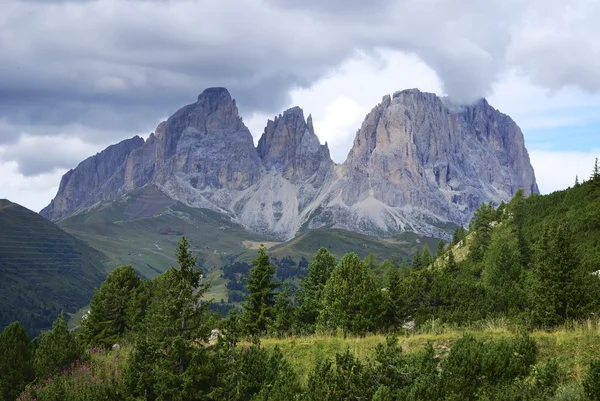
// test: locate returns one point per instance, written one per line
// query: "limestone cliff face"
(98, 178)
(418, 162)
(289, 144)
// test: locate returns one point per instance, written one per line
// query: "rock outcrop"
(418, 163)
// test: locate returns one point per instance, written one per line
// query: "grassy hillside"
(573, 347)
(43, 269)
(340, 242)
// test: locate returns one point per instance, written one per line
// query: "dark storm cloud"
(98, 69)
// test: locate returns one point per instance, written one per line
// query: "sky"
(77, 76)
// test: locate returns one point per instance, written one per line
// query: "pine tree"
(481, 229)
(426, 259)
(595, 171)
(258, 309)
(310, 294)
(16, 368)
(556, 293)
(108, 316)
(394, 307)
(57, 349)
(450, 261)
(164, 362)
(577, 181)
(502, 270)
(417, 262)
(283, 313)
(440, 249)
(350, 298)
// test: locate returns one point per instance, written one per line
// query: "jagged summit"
(417, 163)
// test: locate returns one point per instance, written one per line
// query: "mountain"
(43, 269)
(419, 163)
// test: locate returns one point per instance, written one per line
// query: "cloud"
(89, 63)
(32, 192)
(34, 156)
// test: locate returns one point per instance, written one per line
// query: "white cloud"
(35, 155)
(33, 192)
(557, 170)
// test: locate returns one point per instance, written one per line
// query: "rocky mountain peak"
(289, 144)
(417, 163)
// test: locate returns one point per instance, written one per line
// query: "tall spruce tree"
(16, 368)
(107, 320)
(258, 309)
(310, 294)
(351, 301)
(481, 229)
(556, 293)
(57, 349)
(165, 359)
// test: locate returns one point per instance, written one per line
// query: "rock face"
(418, 162)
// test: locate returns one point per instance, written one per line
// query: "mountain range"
(419, 163)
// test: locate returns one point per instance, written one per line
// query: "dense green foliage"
(16, 368)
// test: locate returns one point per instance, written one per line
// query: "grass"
(574, 347)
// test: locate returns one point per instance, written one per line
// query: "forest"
(531, 263)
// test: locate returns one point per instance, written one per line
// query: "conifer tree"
(16, 369)
(417, 262)
(450, 261)
(595, 171)
(57, 349)
(310, 294)
(350, 298)
(426, 258)
(556, 293)
(258, 309)
(283, 313)
(109, 308)
(481, 229)
(439, 252)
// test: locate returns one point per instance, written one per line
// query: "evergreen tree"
(450, 261)
(502, 271)
(595, 171)
(577, 181)
(283, 313)
(440, 249)
(258, 309)
(426, 259)
(165, 361)
(394, 299)
(108, 316)
(57, 349)
(16, 369)
(350, 299)
(481, 229)
(459, 235)
(417, 262)
(310, 294)
(556, 293)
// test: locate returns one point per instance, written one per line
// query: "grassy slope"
(339, 242)
(573, 348)
(44, 270)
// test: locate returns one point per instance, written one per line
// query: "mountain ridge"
(417, 163)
